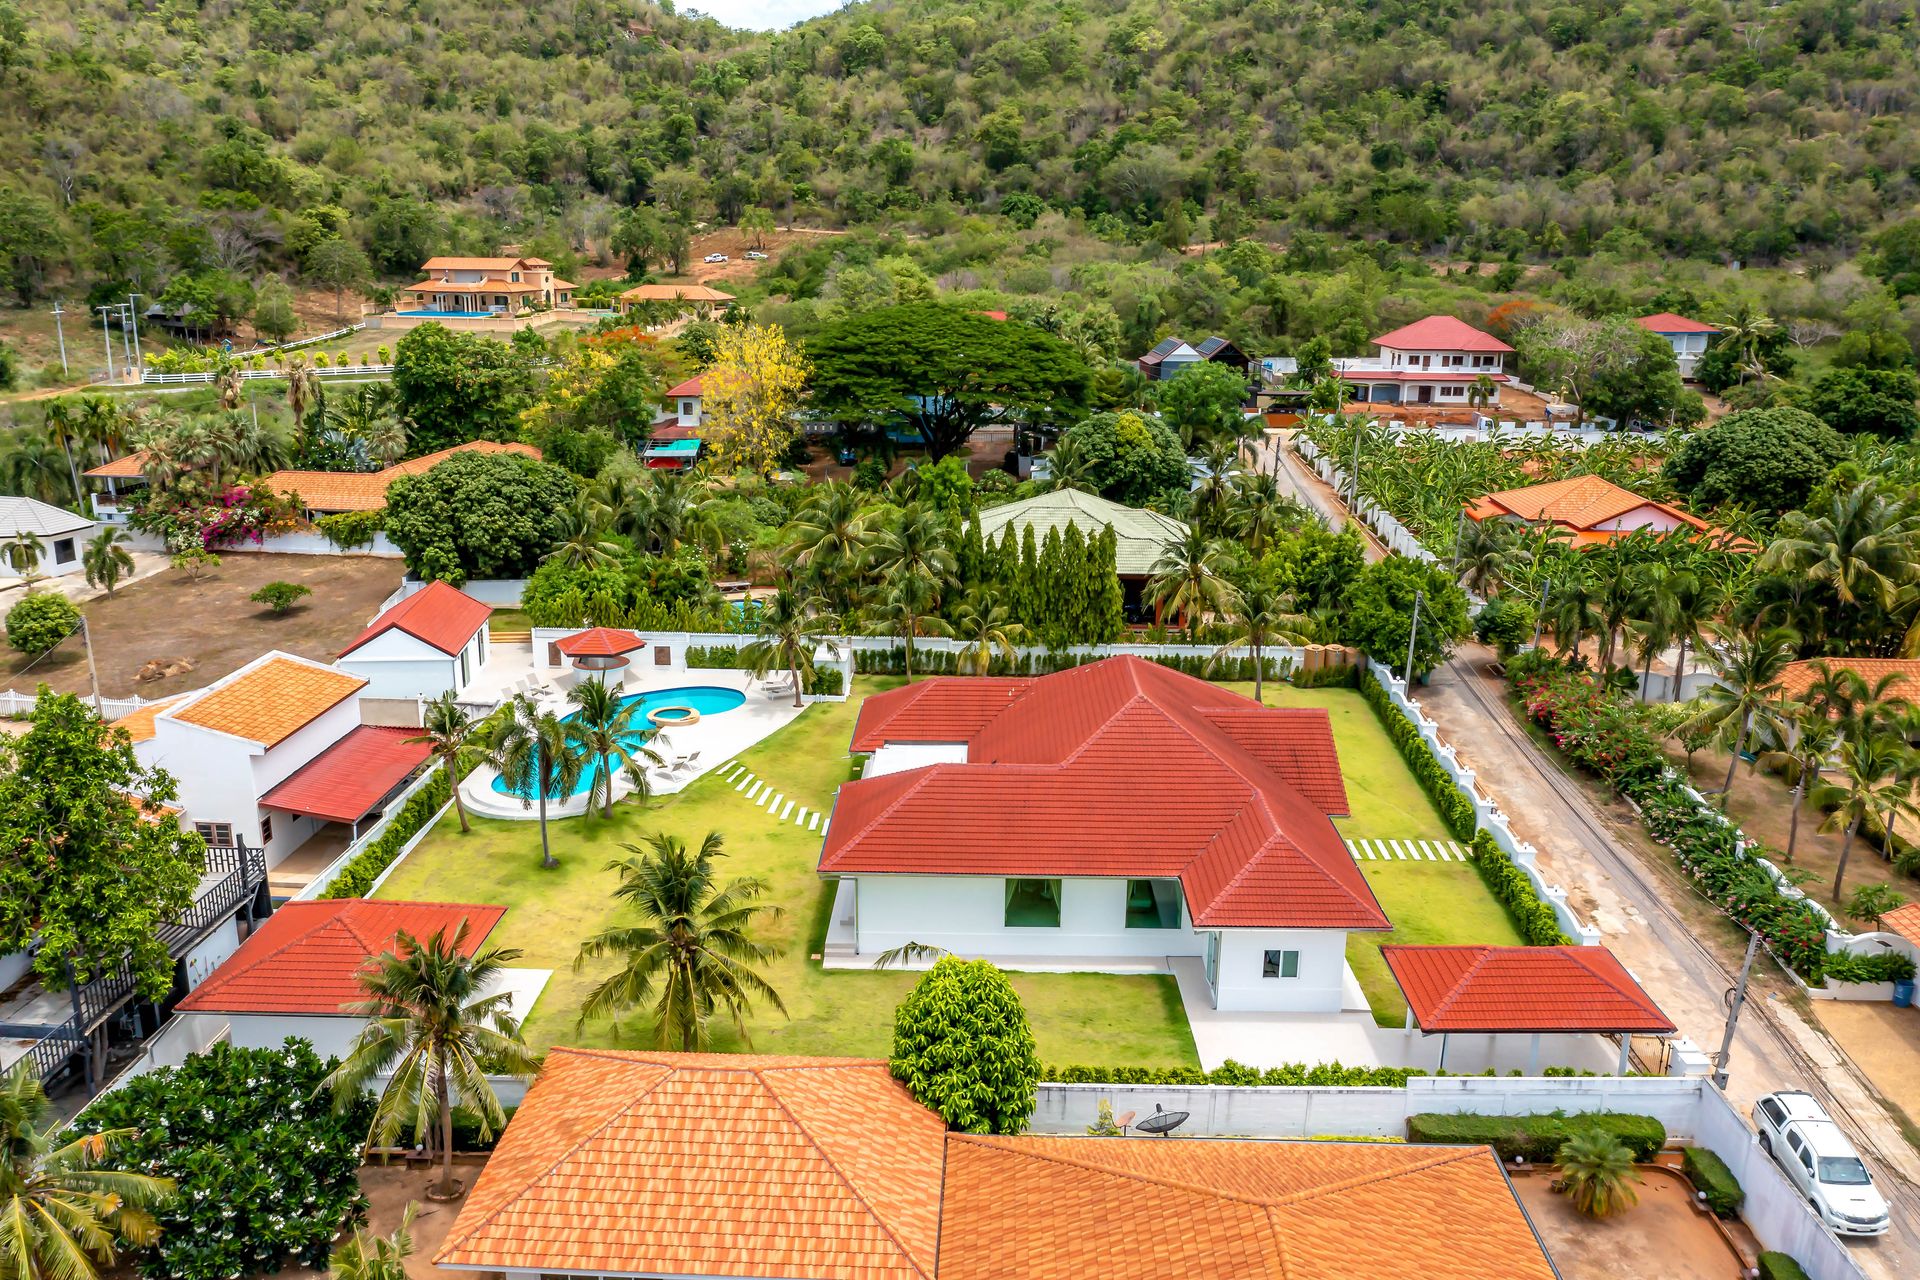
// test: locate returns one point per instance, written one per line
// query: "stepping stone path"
(1407, 851)
(765, 797)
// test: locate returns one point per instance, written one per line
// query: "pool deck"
(714, 740)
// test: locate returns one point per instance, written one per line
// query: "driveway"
(1272, 452)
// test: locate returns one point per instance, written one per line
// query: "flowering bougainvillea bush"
(263, 1166)
(239, 513)
(1602, 732)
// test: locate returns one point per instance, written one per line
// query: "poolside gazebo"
(1531, 991)
(600, 649)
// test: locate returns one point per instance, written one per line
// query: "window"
(662, 655)
(219, 834)
(1033, 904)
(63, 551)
(1153, 904)
(1281, 964)
(1455, 392)
(1775, 1112)
(266, 828)
(1843, 1171)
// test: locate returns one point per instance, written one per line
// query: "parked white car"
(715, 257)
(1804, 1141)
(754, 255)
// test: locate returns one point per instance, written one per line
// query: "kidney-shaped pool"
(705, 699)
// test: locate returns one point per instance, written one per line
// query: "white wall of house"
(1647, 517)
(967, 915)
(898, 757)
(212, 952)
(331, 1036)
(1241, 983)
(398, 665)
(59, 555)
(1443, 359)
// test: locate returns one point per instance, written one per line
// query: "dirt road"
(1682, 952)
(1273, 453)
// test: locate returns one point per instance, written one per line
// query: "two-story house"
(1438, 361)
(486, 286)
(1688, 338)
(673, 443)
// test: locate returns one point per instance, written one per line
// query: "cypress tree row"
(1108, 621)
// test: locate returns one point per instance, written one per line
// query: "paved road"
(1630, 903)
(1272, 454)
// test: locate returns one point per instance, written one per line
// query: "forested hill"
(140, 138)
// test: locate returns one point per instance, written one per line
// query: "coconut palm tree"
(35, 467)
(584, 543)
(304, 393)
(1488, 553)
(1598, 1174)
(1068, 467)
(437, 1028)
(608, 733)
(1220, 460)
(916, 547)
(692, 954)
(829, 536)
(447, 730)
(1258, 512)
(106, 559)
(1573, 608)
(1862, 545)
(1815, 734)
(1261, 617)
(529, 748)
(669, 511)
(1877, 776)
(1696, 600)
(24, 552)
(1652, 625)
(1482, 391)
(64, 1205)
(63, 428)
(1747, 703)
(985, 628)
(792, 628)
(1189, 578)
(366, 1256)
(906, 609)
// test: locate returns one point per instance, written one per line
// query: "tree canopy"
(479, 515)
(1129, 457)
(457, 387)
(1764, 458)
(962, 1046)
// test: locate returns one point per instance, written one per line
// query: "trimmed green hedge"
(1537, 922)
(714, 657)
(1455, 809)
(349, 529)
(1235, 1073)
(358, 876)
(1780, 1266)
(1710, 1176)
(826, 682)
(1537, 1138)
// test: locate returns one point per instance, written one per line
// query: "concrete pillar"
(1533, 1055)
(1626, 1043)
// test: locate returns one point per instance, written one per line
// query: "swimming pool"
(446, 315)
(707, 699)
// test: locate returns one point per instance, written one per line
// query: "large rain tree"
(943, 372)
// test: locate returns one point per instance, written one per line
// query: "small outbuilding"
(60, 533)
(432, 641)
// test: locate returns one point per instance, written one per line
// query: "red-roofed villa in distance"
(432, 641)
(1117, 816)
(299, 969)
(673, 443)
(1530, 991)
(1688, 337)
(1435, 361)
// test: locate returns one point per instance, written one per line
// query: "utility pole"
(1735, 999)
(93, 674)
(1413, 633)
(1353, 481)
(106, 336)
(60, 331)
(133, 323)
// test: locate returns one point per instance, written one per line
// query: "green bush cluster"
(349, 529)
(939, 662)
(1537, 921)
(826, 682)
(41, 620)
(358, 876)
(1292, 1074)
(1537, 1138)
(1781, 1266)
(1888, 966)
(711, 657)
(1455, 809)
(1711, 1177)
(1346, 677)
(964, 1048)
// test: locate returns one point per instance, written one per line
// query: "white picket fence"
(1398, 538)
(15, 703)
(249, 375)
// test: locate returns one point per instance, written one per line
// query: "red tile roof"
(599, 642)
(709, 1165)
(1799, 676)
(1581, 503)
(345, 781)
(308, 956)
(1440, 333)
(1522, 989)
(1118, 768)
(132, 466)
(438, 615)
(1667, 322)
(691, 387)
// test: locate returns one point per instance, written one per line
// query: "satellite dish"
(1162, 1121)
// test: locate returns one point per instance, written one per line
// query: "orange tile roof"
(438, 614)
(711, 1165)
(271, 702)
(725, 1165)
(139, 724)
(367, 490)
(308, 956)
(1905, 921)
(130, 467)
(1135, 1209)
(674, 293)
(1522, 989)
(1799, 676)
(1578, 502)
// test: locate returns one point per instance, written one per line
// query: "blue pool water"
(447, 315)
(708, 700)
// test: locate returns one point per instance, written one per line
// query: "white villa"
(433, 641)
(1115, 817)
(62, 536)
(1432, 361)
(1689, 338)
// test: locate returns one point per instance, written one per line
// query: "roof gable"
(1441, 333)
(1578, 502)
(30, 515)
(268, 700)
(438, 615)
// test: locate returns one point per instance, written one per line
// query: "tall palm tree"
(1212, 499)
(1615, 601)
(1696, 600)
(693, 953)
(1189, 578)
(1573, 609)
(985, 628)
(24, 552)
(64, 1205)
(1258, 512)
(1068, 467)
(669, 511)
(1653, 623)
(106, 559)
(1744, 329)
(447, 730)
(1261, 617)
(437, 1027)
(1748, 701)
(584, 543)
(916, 547)
(1815, 734)
(1877, 776)
(63, 428)
(829, 536)
(530, 750)
(304, 393)
(608, 733)
(792, 628)
(1599, 1174)
(1488, 553)
(35, 467)
(1862, 545)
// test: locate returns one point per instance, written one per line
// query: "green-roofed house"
(1140, 536)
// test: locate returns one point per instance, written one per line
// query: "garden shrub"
(347, 530)
(1781, 1266)
(1537, 1138)
(1711, 1177)
(963, 1047)
(280, 597)
(358, 876)
(716, 656)
(1455, 809)
(1538, 923)
(1347, 677)
(41, 620)
(264, 1164)
(1292, 1074)
(1888, 966)
(826, 682)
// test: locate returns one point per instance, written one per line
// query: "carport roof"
(1504, 990)
(344, 782)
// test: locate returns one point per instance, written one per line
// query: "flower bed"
(239, 513)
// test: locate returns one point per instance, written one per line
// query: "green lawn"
(509, 620)
(1077, 1018)
(1428, 902)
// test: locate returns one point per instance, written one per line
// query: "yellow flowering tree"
(750, 397)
